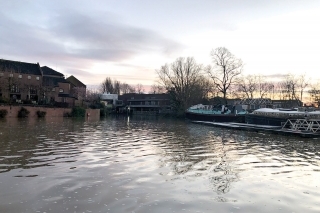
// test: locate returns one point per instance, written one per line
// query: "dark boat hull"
(265, 120)
(216, 117)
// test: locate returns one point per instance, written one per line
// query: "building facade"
(58, 89)
(146, 103)
(20, 81)
(78, 90)
(28, 83)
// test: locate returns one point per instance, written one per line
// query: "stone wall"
(50, 112)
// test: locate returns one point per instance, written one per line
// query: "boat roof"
(288, 111)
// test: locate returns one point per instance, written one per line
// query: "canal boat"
(277, 117)
(219, 113)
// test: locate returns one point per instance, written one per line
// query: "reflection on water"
(148, 164)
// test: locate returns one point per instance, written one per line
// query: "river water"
(148, 164)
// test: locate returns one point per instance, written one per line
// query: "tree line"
(190, 83)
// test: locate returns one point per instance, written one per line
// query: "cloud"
(70, 35)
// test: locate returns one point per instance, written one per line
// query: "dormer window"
(29, 77)
(20, 76)
(37, 78)
(53, 89)
(60, 90)
(10, 75)
(1, 74)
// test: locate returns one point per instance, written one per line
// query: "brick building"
(58, 89)
(22, 82)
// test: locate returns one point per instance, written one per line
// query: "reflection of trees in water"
(223, 173)
(285, 149)
(194, 150)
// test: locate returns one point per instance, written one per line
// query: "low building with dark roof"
(146, 103)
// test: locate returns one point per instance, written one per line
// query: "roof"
(73, 80)
(20, 67)
(144, 97)
(52, 81)
(48, 71)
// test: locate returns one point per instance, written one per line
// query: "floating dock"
(299, 127)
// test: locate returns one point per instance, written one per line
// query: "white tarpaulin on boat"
(198, 106)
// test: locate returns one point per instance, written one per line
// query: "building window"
(1, 74)
(20, 76)
(10, 75)
(29, 77)
(33, 91)
(38, 78)
(53, 89)
(15, 89)
(60, 90)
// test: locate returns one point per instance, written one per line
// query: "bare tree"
(226, 67)
(107, 85)
(264, 87)
(157, 89)
(180, 78)
(247, 85)
(116, 87)
(302, 84)
(80, 93)
(110, 86)
(314, 93)
(126, 88)
(92, 97)
(288, 88)
(139, 89)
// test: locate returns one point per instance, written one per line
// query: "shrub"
(23, 113)
(3, 113)
(78, 112)
(41, 114)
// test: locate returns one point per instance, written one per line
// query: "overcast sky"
(129, 40)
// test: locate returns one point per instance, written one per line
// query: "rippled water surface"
(146, 164)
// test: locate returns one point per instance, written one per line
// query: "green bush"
(78, 112)
(41, 114)
(3, 113)
(23, 113)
